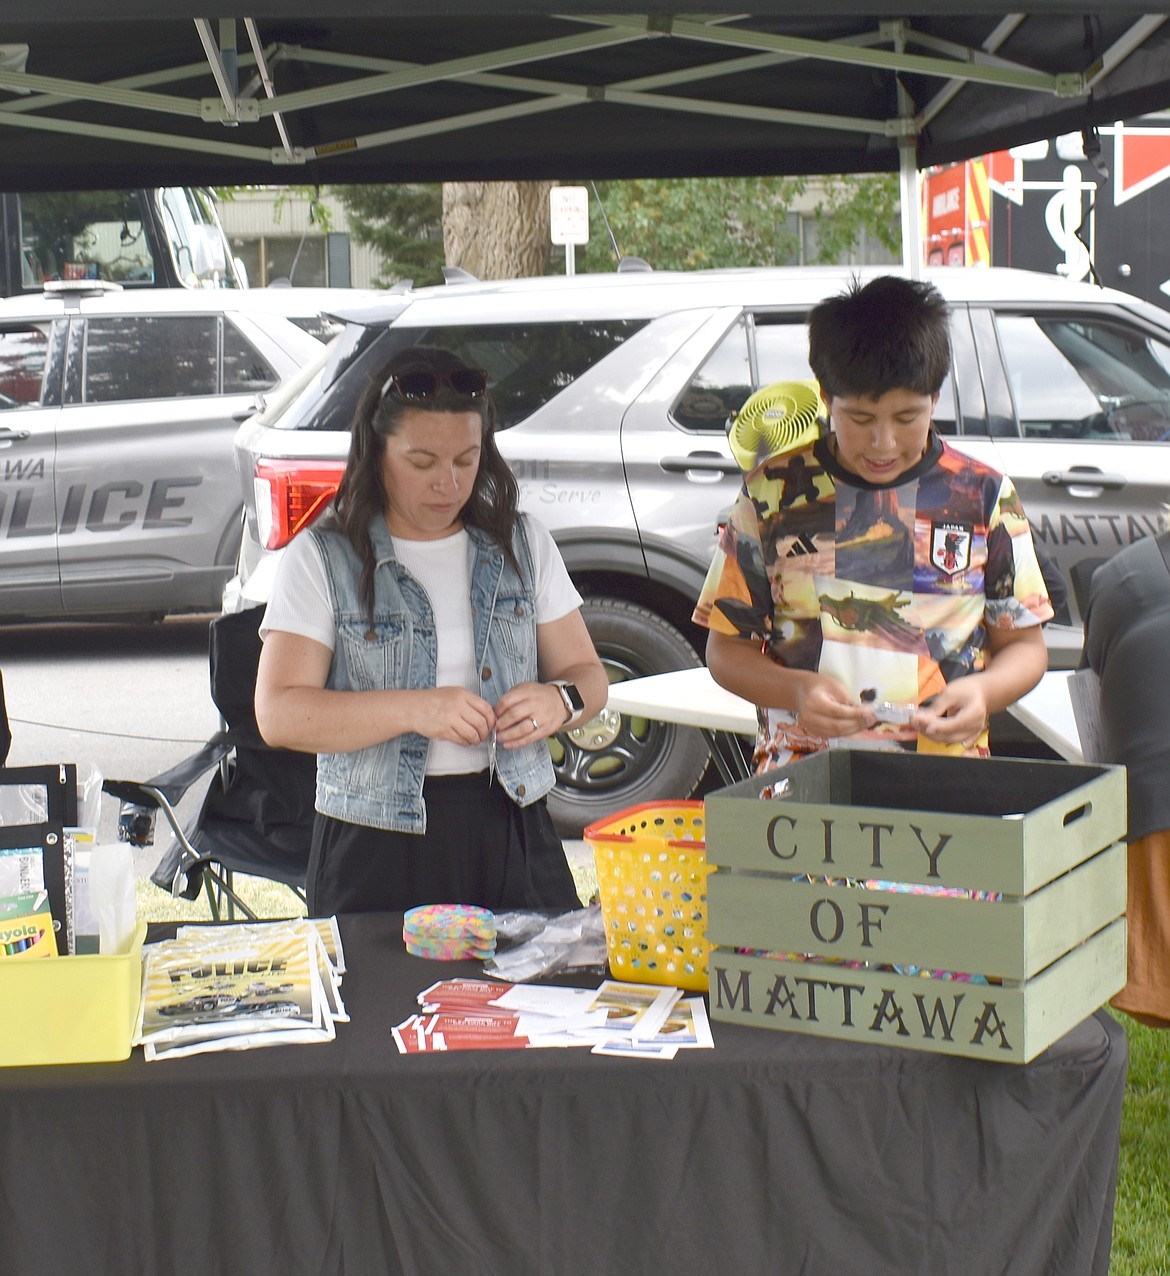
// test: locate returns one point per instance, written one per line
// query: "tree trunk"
(497, 230)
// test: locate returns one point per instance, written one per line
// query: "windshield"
(84, 235)
(125, 237)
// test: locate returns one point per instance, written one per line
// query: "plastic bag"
(29, 803)
(532, 944)
(112, 896)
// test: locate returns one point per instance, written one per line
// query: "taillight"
(289, 494)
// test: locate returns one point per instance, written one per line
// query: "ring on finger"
(535, 725)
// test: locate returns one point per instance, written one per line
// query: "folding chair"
(257, 815)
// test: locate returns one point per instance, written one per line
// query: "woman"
(424, 640)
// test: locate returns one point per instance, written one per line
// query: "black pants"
(479, 848)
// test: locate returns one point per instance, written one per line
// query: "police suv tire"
(642, 761)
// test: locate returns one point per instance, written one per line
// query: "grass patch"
(1141, 1224)
(265, 898)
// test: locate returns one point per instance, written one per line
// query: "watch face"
(574, 701)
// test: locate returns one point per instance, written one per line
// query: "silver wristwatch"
(573, 700)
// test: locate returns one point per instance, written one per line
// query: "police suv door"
(147, 496)
(30, 374)
(1091, 453)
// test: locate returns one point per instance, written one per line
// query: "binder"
(58, 780)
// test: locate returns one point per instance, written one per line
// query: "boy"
(876, 588)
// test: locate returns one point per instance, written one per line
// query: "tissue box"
(70, 1009)
(847, 864)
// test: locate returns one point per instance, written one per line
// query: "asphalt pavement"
(124, 700)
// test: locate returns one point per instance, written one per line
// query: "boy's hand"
(824, 709)
(957, 715)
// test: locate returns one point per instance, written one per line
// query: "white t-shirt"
(299, 604)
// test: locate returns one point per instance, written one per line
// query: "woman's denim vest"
(381, 786)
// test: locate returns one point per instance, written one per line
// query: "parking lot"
(130, 700)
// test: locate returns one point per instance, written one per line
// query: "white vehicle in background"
(118, 407)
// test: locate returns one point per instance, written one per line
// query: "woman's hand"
(528, 712)
(532, 711)
(294, 710)
(453, 714)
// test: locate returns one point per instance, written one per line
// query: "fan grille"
(776, 418)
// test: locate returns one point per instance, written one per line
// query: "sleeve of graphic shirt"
(1016, 596)
(736, 598)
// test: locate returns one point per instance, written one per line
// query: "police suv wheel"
(618, 760)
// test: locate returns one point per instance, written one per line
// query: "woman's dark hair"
(495, 494)
(893, 334)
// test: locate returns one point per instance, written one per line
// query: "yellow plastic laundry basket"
(652, 878)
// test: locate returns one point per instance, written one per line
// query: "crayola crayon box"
(27, 934)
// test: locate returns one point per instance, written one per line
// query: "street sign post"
(569, 219)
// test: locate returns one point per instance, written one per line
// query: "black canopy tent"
(149, 92)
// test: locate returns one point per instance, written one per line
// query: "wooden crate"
(841, 874)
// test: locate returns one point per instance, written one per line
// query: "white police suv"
(118, 490)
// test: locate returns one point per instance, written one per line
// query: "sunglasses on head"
(422, 386)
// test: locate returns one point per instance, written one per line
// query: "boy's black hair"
(891, 334)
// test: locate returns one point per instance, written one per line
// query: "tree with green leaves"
(692, 223)
(851, 205)
(404, 223)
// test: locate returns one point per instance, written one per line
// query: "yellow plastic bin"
(70, 1009)
(652, 879)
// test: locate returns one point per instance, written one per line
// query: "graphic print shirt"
(890, 589)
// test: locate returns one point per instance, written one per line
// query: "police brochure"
(238, 986)
(628, 1020)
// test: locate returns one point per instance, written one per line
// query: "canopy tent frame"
(480, 92)
(955, 64)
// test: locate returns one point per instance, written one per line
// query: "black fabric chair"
(257, 815)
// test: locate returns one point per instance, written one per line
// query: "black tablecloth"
(769, 1154)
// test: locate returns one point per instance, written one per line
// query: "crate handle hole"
(1078, 813)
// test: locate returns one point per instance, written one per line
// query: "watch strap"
(573, 701)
